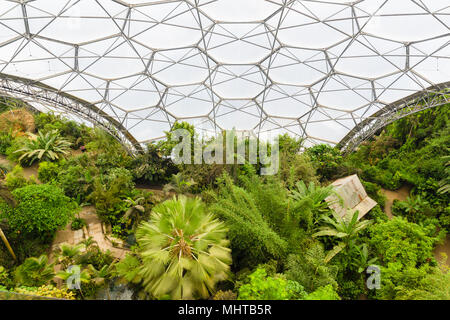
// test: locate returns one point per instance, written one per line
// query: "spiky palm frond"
(46, 146)
(34, 272)
(184, 250)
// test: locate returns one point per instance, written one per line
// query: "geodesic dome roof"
(315, 69)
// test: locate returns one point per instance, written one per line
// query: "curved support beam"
(431, 97)
(33, 91)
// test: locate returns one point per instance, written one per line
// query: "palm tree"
(184, 250)
(9, 199)
(345, 228)
(68, 253)
(104, 273)
(48, 146)
(35, 272)
(136, 209)
(74, 273)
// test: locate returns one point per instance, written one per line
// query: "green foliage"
(400, 241)
(260, 286)
(323, 293)
(34, 272)
(413, 283)
(327, 160)
(46, 146)
(78, 224)
(15, 179)
(178, 184)
(184, 250)
(48, 171)
(310, 269)
(108, 194)
(152, 166)
(41, 210)
(414, 209)
(309, 203)
(6, 140)
(345, 228)
(72, 131)
(129, 269)
(253, 241)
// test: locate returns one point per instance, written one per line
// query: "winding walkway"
(94, 229)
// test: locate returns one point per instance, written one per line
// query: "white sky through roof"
(309, 68)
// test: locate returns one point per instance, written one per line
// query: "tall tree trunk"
(9, 199)
(6, 242)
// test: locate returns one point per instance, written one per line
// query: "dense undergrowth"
(248, 237)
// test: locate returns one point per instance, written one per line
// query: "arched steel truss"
(313, 69)
(36, 92)
(433, 96)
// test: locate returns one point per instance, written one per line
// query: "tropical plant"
(309, 201)
(345, 228)
(102, 274)
(184, 250)
(68, 253)
(133, 214)
(178, 184)
(46, 146)
(34, 272)
(76, 274)
(129, 269)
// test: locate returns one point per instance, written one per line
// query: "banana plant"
(345, 228)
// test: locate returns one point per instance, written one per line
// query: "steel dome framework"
(327, 71)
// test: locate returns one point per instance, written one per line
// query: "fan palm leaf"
(183, 249)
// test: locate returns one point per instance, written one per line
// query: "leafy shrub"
(326, 159)
(15, 179)
(48, 171)
(400, 241)
(260, 286)
(152, 166)
(323, 293)
(310, 270)
(41, 210)
(78, 224)
(6, 140)
(34, 272)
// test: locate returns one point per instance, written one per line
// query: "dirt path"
(400, 194)
(27, 171)
(441, 249)
(94, 229)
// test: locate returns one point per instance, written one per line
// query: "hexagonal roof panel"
(313, 69)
